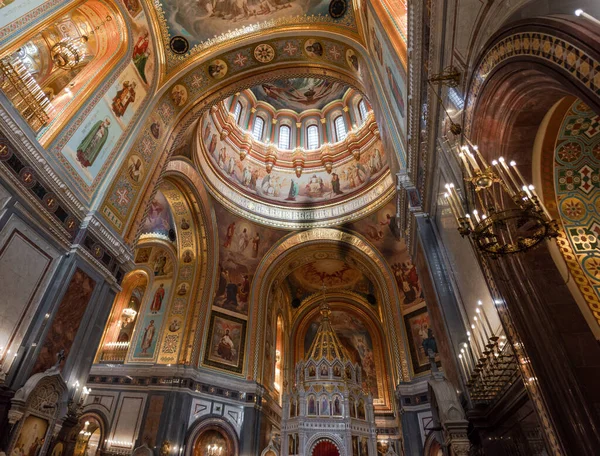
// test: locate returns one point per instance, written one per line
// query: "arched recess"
(330, 438)
(208, 429)
(182, 169)
(354, 311)
(521, 74)
(89, 435)
(276, 265)
(519, 79)
(113, 347)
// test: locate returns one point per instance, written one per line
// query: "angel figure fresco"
(124, 97)
(90, 147)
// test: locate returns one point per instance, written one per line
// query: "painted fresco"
(355, 337)
(96, 136)
(382, 231)
(90, 146)
(334, 274)
(200, 21)
(126, 95)
(282, 185)
(31, 437)
(143, 57)
(419, 329)
(149, 144)
(299, 94)
(390, 70)
(226, 341)
(66, 321)
(241, 246)
(149, 328)
(159, 219)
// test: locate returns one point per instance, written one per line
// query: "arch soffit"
(554, 45)
(182, 172)
(276, 259)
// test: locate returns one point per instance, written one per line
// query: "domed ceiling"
(297, 187)
(299, 94)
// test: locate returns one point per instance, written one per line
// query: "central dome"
(294, 152)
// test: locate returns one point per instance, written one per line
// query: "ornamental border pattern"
(556, 201)
(537, 45)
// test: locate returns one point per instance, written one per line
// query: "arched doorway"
(325, 448)
(213, 437)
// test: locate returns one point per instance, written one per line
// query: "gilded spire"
(326, 343)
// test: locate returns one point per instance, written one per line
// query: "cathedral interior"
(299, 228)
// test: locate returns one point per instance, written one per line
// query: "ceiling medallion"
(264, 53)
(179, 45)
(217, 69)
(337, 8)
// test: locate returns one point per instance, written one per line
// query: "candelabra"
(119, 447)
(213, 450)
(487, 361)
(114, 351)
(504, 214)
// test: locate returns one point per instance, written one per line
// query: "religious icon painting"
(313, 48)
(179, 95)
(217, 69)
(126, 95)
(31, 436)
(91, 145)
(226, 341)
(418, 329)
(134, 7)
(141, 57)
(135, 168)
(352, 59)
(148, 334)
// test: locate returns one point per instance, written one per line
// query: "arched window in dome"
(312, 137)
(258, 128)
(284, 137)
(237, 113)
(362, 109)
(340, 128)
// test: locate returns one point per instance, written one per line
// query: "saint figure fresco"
(90, 147)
